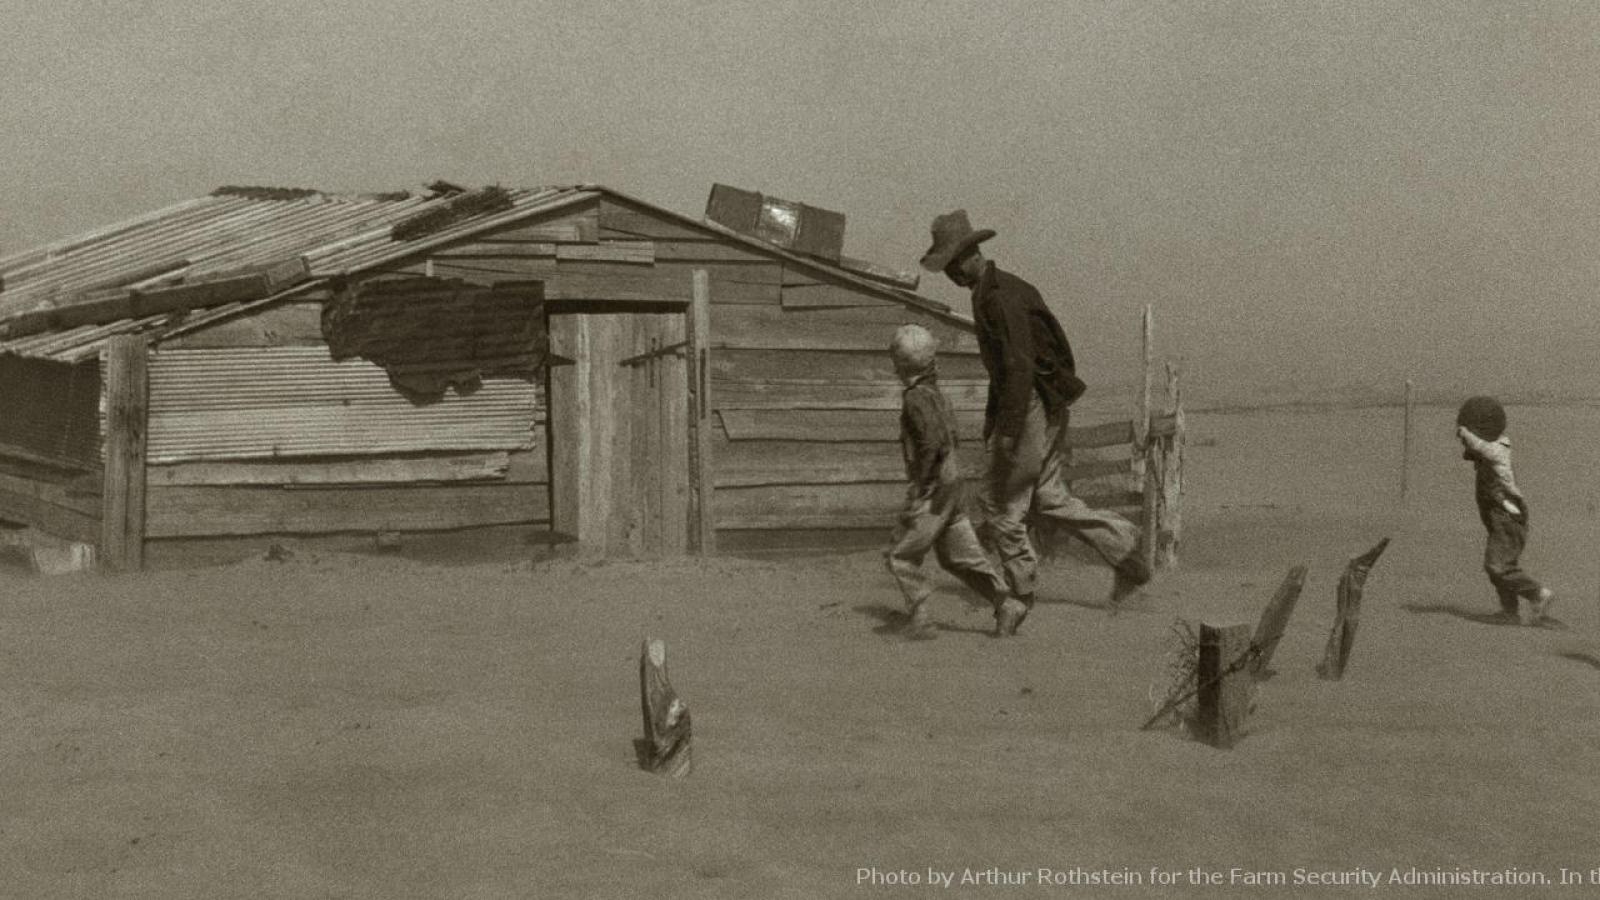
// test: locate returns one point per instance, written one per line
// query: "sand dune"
(350, 726)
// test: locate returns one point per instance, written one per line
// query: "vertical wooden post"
(1223, 684)
(567, 421)
(1170, 511)
(1146, 466)
(673, 385)
(1405, 445)
(1342, 639)
(702, 523)
(1141, 421)
(1275, 620)
(124, 368)
(1150, 505)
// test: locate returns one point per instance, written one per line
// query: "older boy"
(1480, 426)
(933, 517)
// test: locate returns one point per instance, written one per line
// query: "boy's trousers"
(939, 523)
(1033, 484)
(1508, 534)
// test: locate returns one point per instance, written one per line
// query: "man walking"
(1032, 383)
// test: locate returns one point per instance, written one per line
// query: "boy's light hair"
(913, 346)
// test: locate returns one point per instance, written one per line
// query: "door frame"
(574, 426)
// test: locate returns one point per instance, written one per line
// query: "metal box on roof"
(793, 226)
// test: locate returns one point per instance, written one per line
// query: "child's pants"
(1508, 534)
(1034, 484)
(940, 524)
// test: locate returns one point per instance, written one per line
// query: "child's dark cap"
(1483, 416)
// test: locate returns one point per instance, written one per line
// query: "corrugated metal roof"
(222, 234)
(240, 229)
(226, 233)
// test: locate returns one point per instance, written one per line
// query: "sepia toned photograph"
(734, 449)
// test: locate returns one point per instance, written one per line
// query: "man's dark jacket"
(1023, 349)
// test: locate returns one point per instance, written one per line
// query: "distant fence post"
(1141, 421)
(1405, 444)
(125, 370)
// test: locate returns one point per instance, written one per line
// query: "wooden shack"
(569, 361)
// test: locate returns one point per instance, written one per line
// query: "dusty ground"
(350, 726)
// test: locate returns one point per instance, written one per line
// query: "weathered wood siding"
(182, 502)
(60, 502)
(254, 430)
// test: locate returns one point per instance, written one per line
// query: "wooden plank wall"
(300, 498)
(420, 490)
(60, 502)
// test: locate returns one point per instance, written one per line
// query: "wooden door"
(619, 432)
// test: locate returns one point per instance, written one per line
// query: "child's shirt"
(1496, 486)
(928, 437)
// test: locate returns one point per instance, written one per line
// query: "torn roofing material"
(204, 259)
(235, 230)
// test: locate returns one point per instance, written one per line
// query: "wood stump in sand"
(667, 735)
(1348, 615)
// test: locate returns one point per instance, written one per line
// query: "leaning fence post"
(1224, 684)
(1275, 620)
(1348, 614)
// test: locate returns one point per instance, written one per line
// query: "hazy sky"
(1312, 196)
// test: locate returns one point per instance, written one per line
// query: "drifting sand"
(352, 726)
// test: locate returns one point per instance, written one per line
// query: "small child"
(1481, 426)
(933, 516)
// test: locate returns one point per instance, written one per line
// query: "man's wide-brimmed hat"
(952, 236)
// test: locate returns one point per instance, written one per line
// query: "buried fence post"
(1275, 619)
(667, 735)
(1222, 684)
(1348, 614)
(1220, 660)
